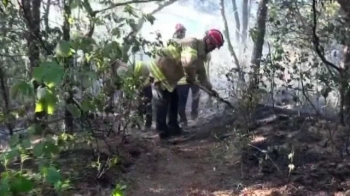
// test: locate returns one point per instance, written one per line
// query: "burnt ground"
(213, 162)
(208, 166)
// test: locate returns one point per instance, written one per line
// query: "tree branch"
(316, 40)
(125, 3)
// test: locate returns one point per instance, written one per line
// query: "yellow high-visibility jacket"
(185, 57)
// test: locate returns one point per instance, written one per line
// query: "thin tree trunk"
(259, 42)
(227, 37)
(238, 22)
(245, 20)
(68, 117)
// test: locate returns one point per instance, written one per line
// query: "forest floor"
(210, 165)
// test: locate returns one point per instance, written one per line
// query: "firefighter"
(183, 88)
(178, 59)
(180, 31)
(141, 73)
(196, 91)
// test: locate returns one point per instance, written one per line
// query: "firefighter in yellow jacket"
(182, 87)
(179, 59)
(141, 72)
(196, 94)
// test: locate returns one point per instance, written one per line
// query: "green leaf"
(10, 155)
(130, 10)
(52, 175)
(63, 49)
(21, 184)
(50, 148)
(86, 105)
(4, 186)
(112, 50)
(5, 3)
(14, 140)
(23, 88)
(116, 32)
(38, 149)
(49, 72)
(74, 110)
(26, 143)
(150, 18)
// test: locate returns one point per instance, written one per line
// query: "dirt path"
(185, 169)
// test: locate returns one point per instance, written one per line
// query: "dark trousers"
(145, 108)
(182, 91)
(195, 100)
(165, 104)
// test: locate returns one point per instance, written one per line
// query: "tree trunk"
(259, 42)
(238, 22)
(344, 72)
(68, 117)
(227, 37)
(245, 20)
(31, 13)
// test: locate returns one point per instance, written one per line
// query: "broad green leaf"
(26, 143)
(112, 50)
(50, 148)
(23, 88)
(53, 74)
(4, 186)
(5, 3)
(74, 110)
(86, 105)
(49, 72)
(10, 155)
(52, 175)
(128, 9)
(39, 72)
(14, 140)
(38, 149)
(20, 184)
(63, 49)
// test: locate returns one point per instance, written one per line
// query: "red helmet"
(179, 26)
(216, 37)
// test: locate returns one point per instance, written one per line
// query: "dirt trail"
(206, 166)
(185, 169)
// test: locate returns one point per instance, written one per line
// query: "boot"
(164, 135)
(176, 131)
(194, 115)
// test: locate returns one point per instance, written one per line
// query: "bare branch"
(316, 40)
(125, 3)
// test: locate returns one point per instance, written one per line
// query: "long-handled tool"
(216, 96)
